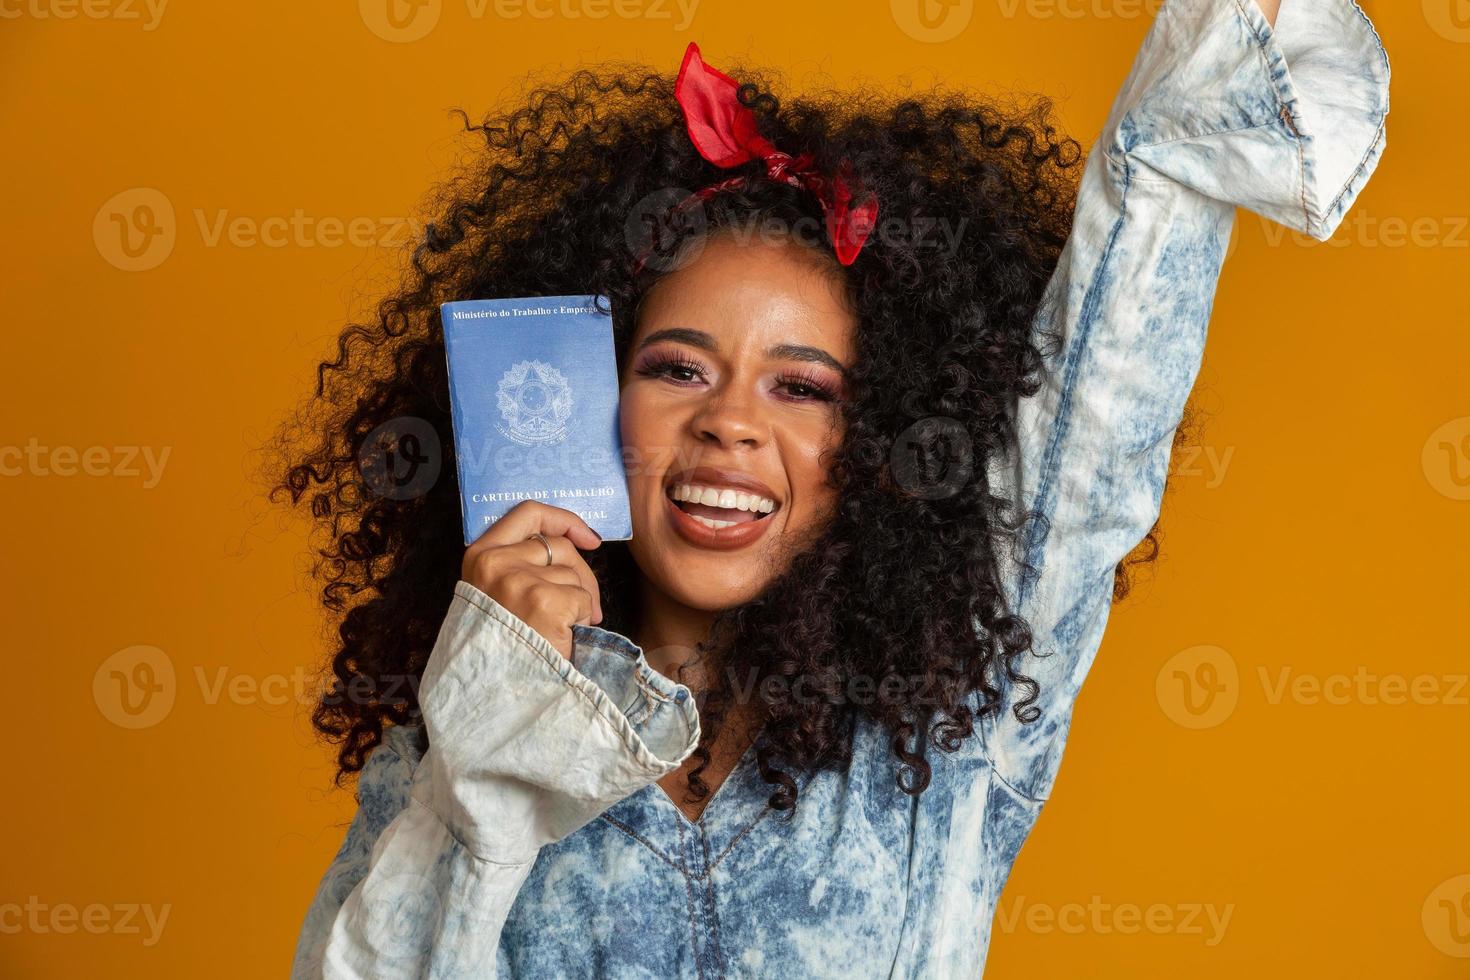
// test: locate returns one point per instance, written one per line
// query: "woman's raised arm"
(524, 749)
(1220, 111)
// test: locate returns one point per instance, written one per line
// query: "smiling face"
(731, 397)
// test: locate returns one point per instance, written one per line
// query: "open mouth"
(720, 507)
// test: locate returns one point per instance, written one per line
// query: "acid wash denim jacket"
(531, 840)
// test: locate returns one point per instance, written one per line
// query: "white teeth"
(711, 522)
(720, 497)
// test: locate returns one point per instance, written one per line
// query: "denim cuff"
(661, 711)
(1287, 122)
(657, 718)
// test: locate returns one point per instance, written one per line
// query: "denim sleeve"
(523, 750)
(1220, 111)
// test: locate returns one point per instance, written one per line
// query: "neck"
(668, 632)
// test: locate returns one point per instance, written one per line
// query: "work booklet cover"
(533, 388)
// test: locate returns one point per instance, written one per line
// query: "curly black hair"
(976, 203)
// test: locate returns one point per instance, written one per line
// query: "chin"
(713, 600)
(707, 582)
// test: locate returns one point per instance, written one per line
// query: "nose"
(730, 417)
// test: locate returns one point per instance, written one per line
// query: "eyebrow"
(704, 341)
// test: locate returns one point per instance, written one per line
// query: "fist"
(510, 566)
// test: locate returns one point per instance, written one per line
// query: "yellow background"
(1319, 529)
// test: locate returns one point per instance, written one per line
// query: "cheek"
(812, 456)
(647, 429)
(636, 422)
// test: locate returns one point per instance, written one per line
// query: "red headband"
(725, 133)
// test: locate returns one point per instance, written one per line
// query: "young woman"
(898, 410)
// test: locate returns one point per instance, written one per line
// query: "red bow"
(725, 133)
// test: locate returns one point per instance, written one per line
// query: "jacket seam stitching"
(647, 688)
(716, 953)
(630, 832)
(1284, 114)
(1123, 162)
(1362, 165)
(736, 839)
(1077, 350)
(1015, 790)
(689, 896)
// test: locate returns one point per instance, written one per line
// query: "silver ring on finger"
(550, 558)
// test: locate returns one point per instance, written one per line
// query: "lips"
(713, 476)
(718, 508)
